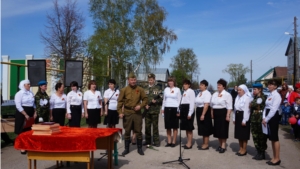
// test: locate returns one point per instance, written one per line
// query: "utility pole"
(296, 57)
(251, 71)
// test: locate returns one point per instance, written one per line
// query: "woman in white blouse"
(221, 104)
(240, 118)
(24, 100)
(75, 110)
(271, 118)
(170, 109)
(111, 96)
(58, 104)
(203, 115)
(187, 114)
(92, 105)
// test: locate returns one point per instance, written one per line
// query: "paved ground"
(290, 155)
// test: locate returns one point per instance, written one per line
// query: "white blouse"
(202, 98)
(221, 100)
(74, 98)
(57, 102)
(24, 98)
(189, 98)
(273, 103)
(242, 104)
(113, 99)
(171, 98)
(93, 99)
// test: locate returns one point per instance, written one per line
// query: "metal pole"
(18, 76)
(296, 59)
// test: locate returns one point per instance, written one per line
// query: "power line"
(278, 42)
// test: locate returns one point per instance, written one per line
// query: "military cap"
(42, 82)
(257, 85)
(151, 75)
(131, 75)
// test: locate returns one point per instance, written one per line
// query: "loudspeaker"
(36, 71)
(73, 72)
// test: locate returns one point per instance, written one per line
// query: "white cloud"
(21, 7)
(270, 3)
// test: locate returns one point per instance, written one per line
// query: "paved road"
(290, 155)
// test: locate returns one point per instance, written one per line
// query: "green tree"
(153, 39)
(237, 72)
(179, 76)
(186, 63)
(112, 44)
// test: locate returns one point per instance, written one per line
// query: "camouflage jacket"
(258, 107)
(155, 93)
(37, 98)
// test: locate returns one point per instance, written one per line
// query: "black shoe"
(256, 156)
(186, 147)
(277, 163)
(218, 149)
(242, 154)
(24, 152)
(261, 156)
(204, 148)
(133, 143)
(139, 146)
(126, 151)
(168, 145)
(237, 153)
(173, 145)
(222, 150)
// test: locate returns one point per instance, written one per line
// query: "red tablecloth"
(69, 140)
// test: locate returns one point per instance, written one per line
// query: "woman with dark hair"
(221, 103)
(187, 112)
(203, 115)
(111, 100)
(240, 118)
(169, 109)
(75, 110)
(92, 105)
(42, 103)
(271, 119)
(25, 107)
(58, 104)
(283, 92)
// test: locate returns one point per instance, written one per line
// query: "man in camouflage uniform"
(133, 99)
(152, 110)
(42, 102)
(257, 106)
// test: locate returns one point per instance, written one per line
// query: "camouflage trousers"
(259, 138)
(151, 120)
(43, 113)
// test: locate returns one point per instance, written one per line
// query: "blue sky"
(219, 31)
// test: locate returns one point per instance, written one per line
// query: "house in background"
(161, 75)
(279, 73)
(290, 60)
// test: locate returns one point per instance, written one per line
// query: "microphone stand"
(180, 160)
(116, 153)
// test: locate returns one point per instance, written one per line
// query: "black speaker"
(73, 72)
(36, 71)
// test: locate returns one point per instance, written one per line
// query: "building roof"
(280, 72)
(265, 74)
(291, 45)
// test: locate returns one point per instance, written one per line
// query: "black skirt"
(59, 116)
(112, 117)
(185, 123)
(171, 119)
(241, 132)
(93, 116)
(20, 119)
(205, 127)
(76, 113)
(273, 126)
(221, 125)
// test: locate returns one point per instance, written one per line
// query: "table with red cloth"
(67, 144)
